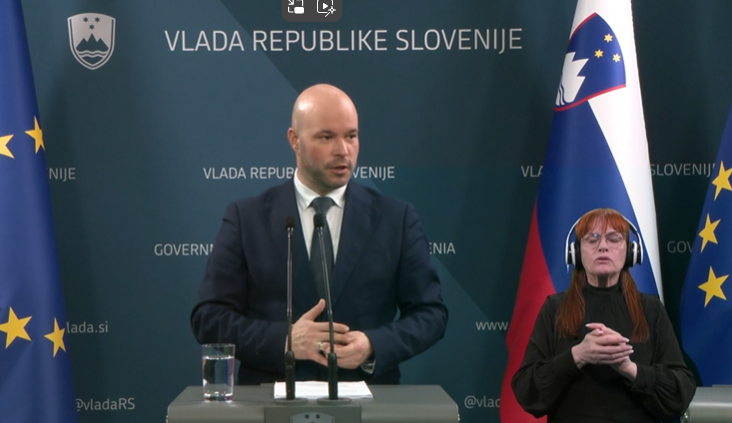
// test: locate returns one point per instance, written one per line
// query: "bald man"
(385, 291)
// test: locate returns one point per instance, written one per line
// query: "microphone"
(289, 355)
(318, 220)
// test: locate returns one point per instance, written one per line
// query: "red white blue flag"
(597, 157)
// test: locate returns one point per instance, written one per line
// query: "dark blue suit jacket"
(382, 266)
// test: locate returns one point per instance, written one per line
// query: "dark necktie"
(321, 206)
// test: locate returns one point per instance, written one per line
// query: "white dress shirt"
(304, 197)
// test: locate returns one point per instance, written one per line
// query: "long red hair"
(572, 310)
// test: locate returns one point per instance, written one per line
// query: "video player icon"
(312, 10)
(299, 10)
(326, 6)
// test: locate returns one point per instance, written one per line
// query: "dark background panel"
(155, 142)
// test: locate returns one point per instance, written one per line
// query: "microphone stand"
(332, 358)
(289, 354)
(331, 408)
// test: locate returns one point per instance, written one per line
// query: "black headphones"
(634, 251)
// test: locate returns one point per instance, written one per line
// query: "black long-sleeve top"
(550, 383)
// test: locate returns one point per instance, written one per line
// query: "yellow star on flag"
(598, 54)
(608, 38)
(57, 337)
(37, 135)
(4, 150)
(707, 233)
(713, 287)
(616, 58)
(722, 180)
(15, 328)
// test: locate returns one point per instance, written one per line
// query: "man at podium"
(385, 292)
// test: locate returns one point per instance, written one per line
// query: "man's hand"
(355, 349)
(307, 334)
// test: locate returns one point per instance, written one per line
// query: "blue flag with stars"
(35, 370)
(706, 300)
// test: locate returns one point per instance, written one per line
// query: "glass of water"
(218, 371)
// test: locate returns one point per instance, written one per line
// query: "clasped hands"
(311, 341)
(603, 345)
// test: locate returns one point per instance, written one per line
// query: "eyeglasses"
(614, 239)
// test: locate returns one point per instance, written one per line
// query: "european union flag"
(706, 301)
(35, 370)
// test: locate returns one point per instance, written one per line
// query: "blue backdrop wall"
(189, 111)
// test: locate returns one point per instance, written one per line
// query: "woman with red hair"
(602, 351)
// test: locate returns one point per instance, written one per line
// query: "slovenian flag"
(597, 157)
(706, 301)
(35, 369)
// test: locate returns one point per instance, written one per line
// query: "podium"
(710, 405)
(390, 404)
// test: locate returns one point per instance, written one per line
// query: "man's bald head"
(314, 99)
(324, 137)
